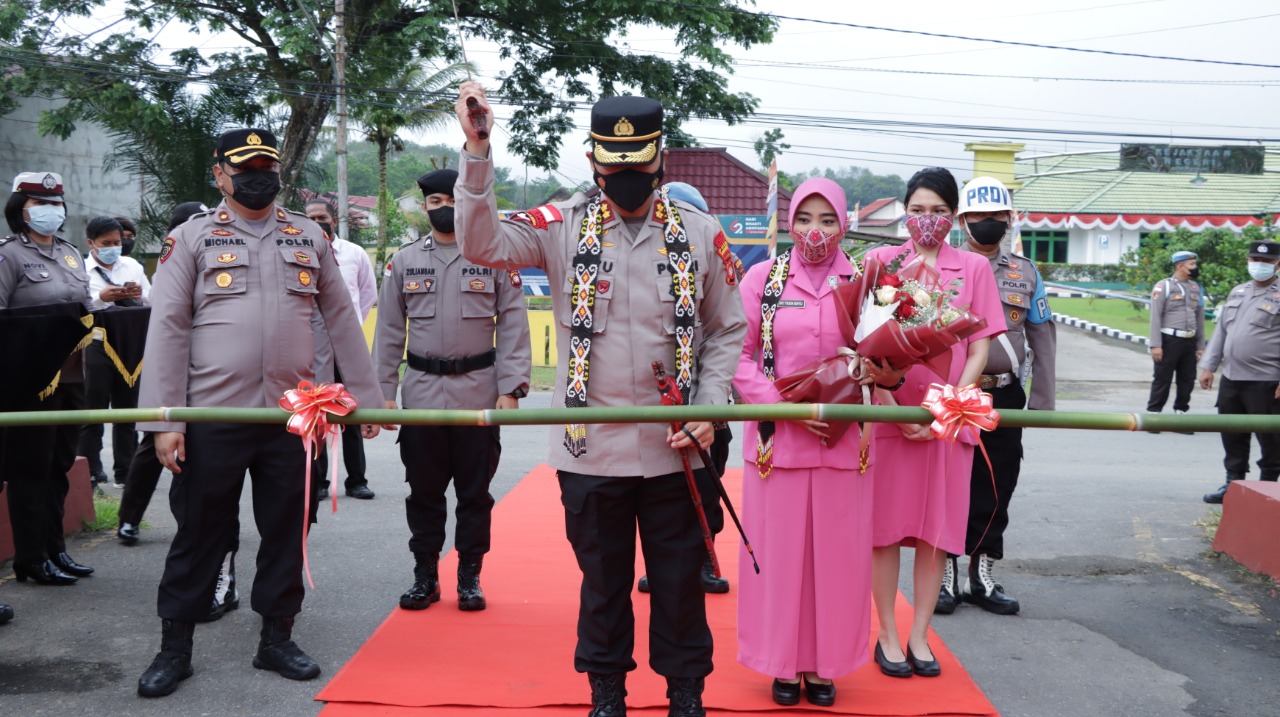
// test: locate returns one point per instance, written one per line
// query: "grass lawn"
(1116, 313)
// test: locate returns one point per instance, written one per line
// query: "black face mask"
(441, 219)
(1194, 273)
(988, 232)
(328, 230)
(630, 188)
(256, 188)
(126, 246)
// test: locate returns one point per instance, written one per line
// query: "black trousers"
(988, 498)
(1252, 397)
(140, 483)
(1179, 359)
(103, 387)
(352, 453)
(601, 517)
(434, 456)
(205, 500)
(34, 461)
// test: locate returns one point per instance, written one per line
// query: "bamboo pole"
(1217, 423)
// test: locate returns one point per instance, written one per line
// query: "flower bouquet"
(833, 379)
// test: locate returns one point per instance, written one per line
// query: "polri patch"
(476, 284)
(223, 279)
(1015, 299)
(222, 232)
(226, 257)
(302, 257)
(413, 286)
(603, 286)
(166, 249)
(516, 280)
(304, 278)
(71, 262)
(291, 230)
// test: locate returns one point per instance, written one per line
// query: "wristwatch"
(518, 393)
(896, 386)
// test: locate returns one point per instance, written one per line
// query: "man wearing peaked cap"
(1177, 332)
(1246, 345)
(643, 278)
(230, 326)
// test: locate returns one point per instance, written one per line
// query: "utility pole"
(340, 145)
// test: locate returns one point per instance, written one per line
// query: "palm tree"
(413, 99)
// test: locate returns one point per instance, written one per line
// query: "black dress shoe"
(362, 492)
(924, 668)
(69, 566)
(128, 533)
(786, 693)
(322, 494)
(711, 583)
(98, 477)
(6, 614)
(892, 669)
(820, 694)
(45, 573)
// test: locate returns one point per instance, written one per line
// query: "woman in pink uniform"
(804, 503)
(922, 484)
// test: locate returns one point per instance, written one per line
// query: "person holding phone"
(115, 281)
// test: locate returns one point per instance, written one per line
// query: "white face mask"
(1261, 270)
(44, 219)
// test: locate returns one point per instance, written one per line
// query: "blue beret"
(1181, 256)
(688, 193)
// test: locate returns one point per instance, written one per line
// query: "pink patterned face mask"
(814, 246)
(928, 230)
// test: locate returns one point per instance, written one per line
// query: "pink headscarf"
(828, 190)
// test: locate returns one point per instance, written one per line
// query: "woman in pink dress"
(804, 503)
(922, 484)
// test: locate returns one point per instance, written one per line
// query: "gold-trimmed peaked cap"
(626, 130)
(237, 146)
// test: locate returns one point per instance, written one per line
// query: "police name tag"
(791, 304)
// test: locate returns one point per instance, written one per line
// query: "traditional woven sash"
(768, 309)
(586, 269)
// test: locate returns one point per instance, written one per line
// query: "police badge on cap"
(1264, 250)
(238, 146)
(41, 185)
(626, 130)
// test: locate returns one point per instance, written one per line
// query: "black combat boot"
(984, 591)
(470, 596)
(948, 596)
(608, 694)
(1269, 476)
(1217, 496)
(426, 583)
(279, 653)
(172, 664)
(225, 596)
(711, 583)
(685, 694)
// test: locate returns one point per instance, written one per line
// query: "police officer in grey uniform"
(230, 327)
(38, 267)
(1177, 333)
(1246, 344)
(636, 277)
(468, 348)
(986, 215)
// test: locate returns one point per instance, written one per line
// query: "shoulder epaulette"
(6, 240)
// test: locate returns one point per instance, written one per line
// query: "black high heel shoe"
(786, 693)
(820, 694)
(44, 573)
(924, 668)
(69, 566)
(892, 669)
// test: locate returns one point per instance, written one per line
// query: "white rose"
(922, 297)
(885, 295)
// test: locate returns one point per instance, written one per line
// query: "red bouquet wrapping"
(828, 380)
(903, 315)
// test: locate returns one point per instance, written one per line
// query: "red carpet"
(516, 658)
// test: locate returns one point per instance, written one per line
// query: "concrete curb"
(1100, 329)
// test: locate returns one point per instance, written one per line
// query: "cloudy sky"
(848, 95)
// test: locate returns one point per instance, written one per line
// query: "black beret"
(626, 130)
(440, 181)
(185, 211)
(240, 145)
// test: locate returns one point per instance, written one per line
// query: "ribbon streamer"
(953, 409)
(310, 406)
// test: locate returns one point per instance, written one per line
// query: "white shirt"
(124, 270)
(357, 274)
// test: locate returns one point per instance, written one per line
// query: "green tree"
(862, 186)
(1223, 258)
(561, 55)
(383, 123)
(768, 148)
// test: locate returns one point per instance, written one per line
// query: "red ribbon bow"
(310, 406)
(954, 408)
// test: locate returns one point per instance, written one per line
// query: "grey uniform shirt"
(1247, 341)
(453, 308)
(633, 318)
(231, 315)
(31, 275)
(1031, 325)
(1176, 305)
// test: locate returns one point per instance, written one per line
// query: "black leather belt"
(451, 366)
